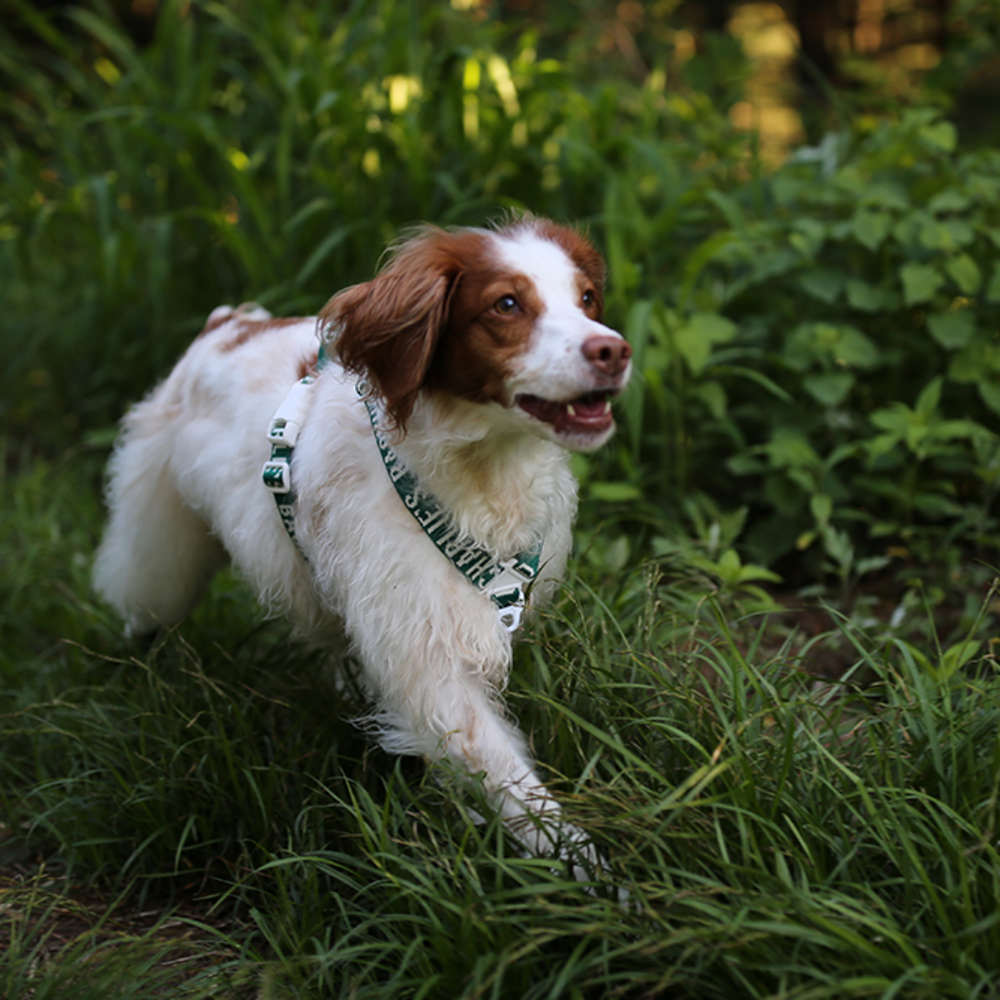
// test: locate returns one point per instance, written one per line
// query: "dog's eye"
(505, 304)
(589, 298)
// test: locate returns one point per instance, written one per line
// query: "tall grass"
(777, 836)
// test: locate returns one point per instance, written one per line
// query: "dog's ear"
(387, 329)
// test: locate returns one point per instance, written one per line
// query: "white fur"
(185, 491)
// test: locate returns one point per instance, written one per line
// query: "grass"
(777, 836)
(198, 817)
(57, 944)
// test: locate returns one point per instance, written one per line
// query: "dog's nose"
(608, 354)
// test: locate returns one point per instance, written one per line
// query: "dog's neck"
(501, 484)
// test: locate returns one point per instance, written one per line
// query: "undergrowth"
(768, 688)
(776, 835)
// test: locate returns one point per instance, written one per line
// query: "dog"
(395, 470)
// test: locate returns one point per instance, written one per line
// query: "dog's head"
(508, 317)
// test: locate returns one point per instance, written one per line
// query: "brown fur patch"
(307, 365)
(247, 329)
(214, 324)
(595, 308)
(479, 343)
(580, 250)
(389, 327)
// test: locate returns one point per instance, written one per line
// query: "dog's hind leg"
(157, 555)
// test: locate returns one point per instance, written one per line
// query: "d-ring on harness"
(505, 581)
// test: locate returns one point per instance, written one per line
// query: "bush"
(830, 353)
(267, 152)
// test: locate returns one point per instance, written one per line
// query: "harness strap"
(283, 432)
(505, 581)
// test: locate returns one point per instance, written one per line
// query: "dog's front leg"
(483, 742)
(458, 719)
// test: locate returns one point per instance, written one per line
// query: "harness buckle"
(509, 600)
(283, 432)
(277, 475)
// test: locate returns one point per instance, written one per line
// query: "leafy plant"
(831, 346)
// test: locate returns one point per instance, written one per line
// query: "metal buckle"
(509, 599)
(510, 618)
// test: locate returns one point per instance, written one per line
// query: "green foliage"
(817, 386)
(270, 152)
(772, 833)
(56, 946)
(817, 344)
(831, 345)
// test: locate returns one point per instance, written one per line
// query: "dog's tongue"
(589, 414)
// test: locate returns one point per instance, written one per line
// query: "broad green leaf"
(948, 430)
(881, 444)
(965, 272)
(983, 188)
(871, 228)
(977, 360)
(728, 566)
(885, 194)
(743, 464)
(790, 449)
(955, 657)
(696, 338)
(895, 418)
(851, 179)
(838, 546)
(940, 135)
(937, 506)
(871, 564)
(824, 342)
(822, 283)
(907, 230)
(854, 348)
(866, 297)
(616, 554)
(713, 396)
(952, 329)
(944, 234)
(935, 235)
(751, 571)
(829, 389)
(989, 392)
(803, 348)
(960, 232)
(808, 236)
(948, 200)
(821, 507)
(927, 403)
(920, 282)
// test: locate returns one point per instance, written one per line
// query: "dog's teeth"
(570, 410)
(607, 406)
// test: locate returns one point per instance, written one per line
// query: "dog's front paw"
(549, 835)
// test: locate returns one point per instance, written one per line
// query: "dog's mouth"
(586, 414)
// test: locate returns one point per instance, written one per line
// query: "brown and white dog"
(486, 358)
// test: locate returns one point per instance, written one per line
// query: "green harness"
(505, 581)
